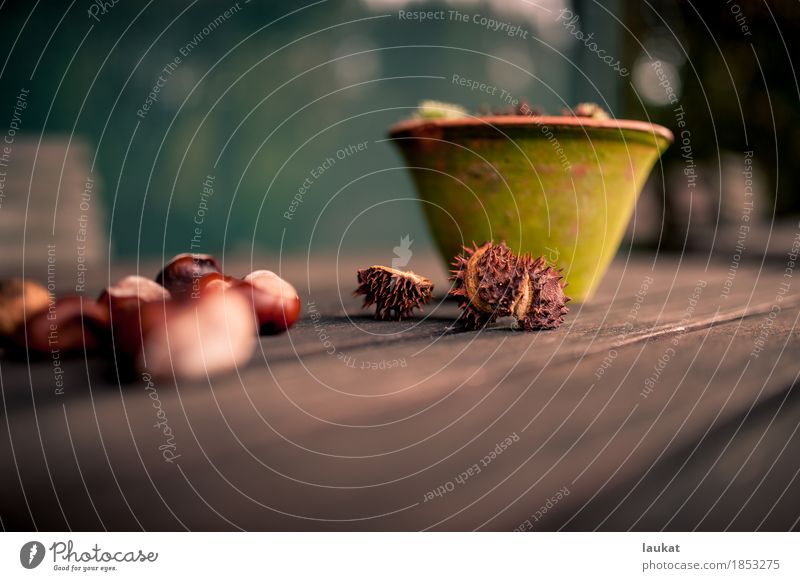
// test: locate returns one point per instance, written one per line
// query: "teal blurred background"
(265, 92)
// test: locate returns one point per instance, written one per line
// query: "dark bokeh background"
(276, 88)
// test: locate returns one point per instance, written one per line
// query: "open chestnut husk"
(395, 293)
(492, 282)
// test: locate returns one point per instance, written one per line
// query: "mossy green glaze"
(557, 187)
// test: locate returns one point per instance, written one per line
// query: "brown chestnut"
(68, 326)
(187, 339)
(129, 291)
(181, 274)
(20, 299)
(275, 301)
(215, 281)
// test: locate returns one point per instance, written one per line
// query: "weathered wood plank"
(303, 439)
(322, 445)
(633, 304)
(742, 476)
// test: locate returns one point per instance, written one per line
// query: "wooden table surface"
(666, 402)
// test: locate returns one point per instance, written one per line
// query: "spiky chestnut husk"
(395, 293)
(492, 282)
(486, 280)
(542, 303)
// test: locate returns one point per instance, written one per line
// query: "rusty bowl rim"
(552, 121)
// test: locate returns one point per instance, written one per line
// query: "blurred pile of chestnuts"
(190, 322)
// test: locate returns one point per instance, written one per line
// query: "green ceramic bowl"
(560, 187)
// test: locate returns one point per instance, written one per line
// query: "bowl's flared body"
(560, 187)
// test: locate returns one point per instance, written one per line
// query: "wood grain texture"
(348, 423)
